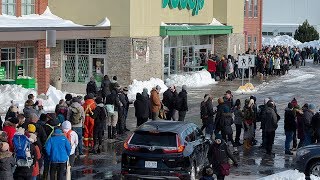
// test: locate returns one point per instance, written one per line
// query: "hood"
(206, 98)
(287, 109)
(5, 154)
(66, 125)
(75, 104)
(89, 101)
(58, 132)
(91, 82)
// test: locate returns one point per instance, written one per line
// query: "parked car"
(308, 160)
(164, 150)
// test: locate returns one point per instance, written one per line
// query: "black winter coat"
(92, 88)
(169, 98)
(100, 117)
(113, 99)
(184, 100)
(7, 163)
(307, 119)
(105, 87)
(316, 121)
(271, 120)
(289, 120)
(142, 107)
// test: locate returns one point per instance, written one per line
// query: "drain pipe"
(162, 53)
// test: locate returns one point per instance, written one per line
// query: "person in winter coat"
(261, 118)
(289, 127)
(207, 114)
(28, 109)
(155, 102)
(248, 123)
(112, 100)
(183, 107)
(58, 149)
(10, 128)
(212, 67)
(14, 108)
(126, 106)
(228, 99)
(100, 116)
(307, 124)
(105, 87)
(92, 87)
(36, 169)
(114, 84)
(277, 65)
(61, 110)
(316, 126)
(221, 108)
(270, 125)
(68, 99)
(218, 156)
(207, 174)
(299, 115)
(72, 136)
(88, 106)
(238, 120)
(121, 111)
(230, 70)
(142, 109)
(169, 98)
(76, 107)
(7, 162)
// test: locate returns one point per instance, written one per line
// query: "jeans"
(307, 138)
(209, 129)
(78, 130)
(238, 132)
(289, 138)
(59, 169)
(182, 115)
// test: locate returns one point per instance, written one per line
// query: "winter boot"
(114, 132)
(109, 132)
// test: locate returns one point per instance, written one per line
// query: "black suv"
(164, 150)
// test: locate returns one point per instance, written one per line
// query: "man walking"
(270, 125)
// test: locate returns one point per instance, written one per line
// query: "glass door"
(98, 69)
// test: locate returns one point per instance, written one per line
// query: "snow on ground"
(300, 78)
(47, 19)
(192, 79)
(286, 175)
(137, 87)
(19, 95)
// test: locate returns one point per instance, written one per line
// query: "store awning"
(179, 30)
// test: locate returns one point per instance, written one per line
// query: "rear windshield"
(154, 139)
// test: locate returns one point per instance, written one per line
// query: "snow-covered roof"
(214, 22)
(105, 23)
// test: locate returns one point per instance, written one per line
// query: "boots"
(114, 132)
(109, 132)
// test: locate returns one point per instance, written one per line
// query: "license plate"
(150, 164)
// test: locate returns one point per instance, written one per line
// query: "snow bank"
(19, 95)
(286, 175)
(246, 89)
(315, 43)
(215, 22)
(193, 79)
(312, 177)
(47, 19)
(280, 40)
(105, 23)
(137, 87)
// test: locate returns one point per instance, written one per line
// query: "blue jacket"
(58, 147)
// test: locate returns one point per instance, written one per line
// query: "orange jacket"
(89, 106)
(155, 101)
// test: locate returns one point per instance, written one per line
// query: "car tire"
(314, 169)
(193, 173)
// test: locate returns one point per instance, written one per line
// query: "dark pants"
(209, 129)
(295, 141)
(72, 157)
(141, 120)
(58, 169)
(228, 137)
(78, 130)
(98, 136)
(289, 138)
(182, 115)
(155, 115)
(121, 122)
(238, 132)
(269, 141)
(263, 144)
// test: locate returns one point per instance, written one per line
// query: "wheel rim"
(193, 173)
(316, 170)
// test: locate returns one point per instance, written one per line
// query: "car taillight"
(129, 147)
(178, 149)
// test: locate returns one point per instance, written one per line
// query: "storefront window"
(98, 46)
(204, 40)
(8, 60)
(27, 7)
(83, 46)
(70, 46)
(173, 41)
(255, 8)
(250, 7)
(9, 7)
(27, 60)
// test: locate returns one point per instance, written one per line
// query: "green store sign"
(194, 5)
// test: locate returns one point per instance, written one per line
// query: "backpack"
(203, 110)
(68, 135)
(75, 115)
(22, 151)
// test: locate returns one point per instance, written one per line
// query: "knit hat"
(32, 128)
(3, 136)
(290, 105)
(68, 97)
(266, 100)
(14, 120)
(145, 90)
(66, 125)
(311, 107)
(90, 96)
(218, 136)
(4, 147)
(99, 100)
(32, 137)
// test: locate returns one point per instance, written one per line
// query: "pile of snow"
(192, 79)
(105, 23)
(246, 89)
(215, 22)
(315, 44)
(137, 87)
(47, 19)
(286, 175)
(18, 95)
(284, 40)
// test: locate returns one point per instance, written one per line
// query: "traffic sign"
(243, 62)
(251, 60)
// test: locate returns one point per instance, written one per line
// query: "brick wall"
(56, 63)
(118, 59)
(221, 45)
(143, 70)
(43, 74)
(253, 26)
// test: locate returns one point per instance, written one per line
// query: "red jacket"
(212, 65)
(10, 132)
